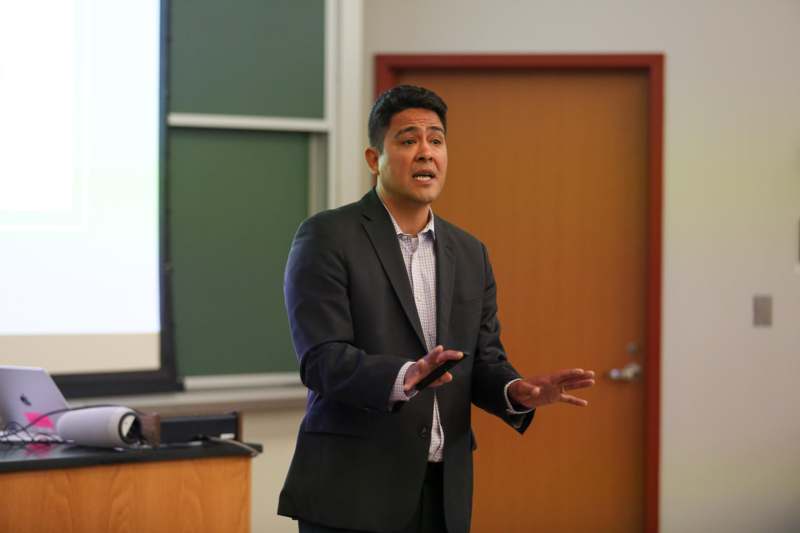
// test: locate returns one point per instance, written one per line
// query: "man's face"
(411, 169)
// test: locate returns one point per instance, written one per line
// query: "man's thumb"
(529, 389)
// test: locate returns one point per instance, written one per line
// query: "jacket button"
(423, 432)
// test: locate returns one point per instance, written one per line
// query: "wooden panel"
(208, 495)
(549, 169)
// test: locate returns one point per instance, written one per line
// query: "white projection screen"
(81, 159)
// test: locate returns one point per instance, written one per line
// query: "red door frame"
(389, 67)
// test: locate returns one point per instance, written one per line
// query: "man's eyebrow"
(417, 128)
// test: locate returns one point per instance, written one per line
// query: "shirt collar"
(428, 227)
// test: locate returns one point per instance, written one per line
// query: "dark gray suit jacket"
(360, 464)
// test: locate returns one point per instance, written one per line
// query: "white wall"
(730, 420)
(276, 430)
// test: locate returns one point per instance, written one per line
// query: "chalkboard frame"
(165, 379)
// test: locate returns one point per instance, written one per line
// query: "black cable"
(27, 437)
(253, 451)
(21, 429)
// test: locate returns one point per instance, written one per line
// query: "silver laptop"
(27, 394)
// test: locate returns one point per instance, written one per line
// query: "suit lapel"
(381, 234)
(445, 275)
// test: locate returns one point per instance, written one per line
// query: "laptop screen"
(27, 396)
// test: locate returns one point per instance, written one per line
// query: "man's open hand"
(427, 364)
(544, 390)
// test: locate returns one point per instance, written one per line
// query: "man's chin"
(423, 201)
(426, 197)
(420, 198)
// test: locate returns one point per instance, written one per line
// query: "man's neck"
(411, 217)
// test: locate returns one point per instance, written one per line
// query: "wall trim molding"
(247, 122)
(215, 394)
(234, 381)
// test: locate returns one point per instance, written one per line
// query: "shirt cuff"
(510, 410)
(398, 394)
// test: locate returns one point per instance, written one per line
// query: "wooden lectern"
(202, 488)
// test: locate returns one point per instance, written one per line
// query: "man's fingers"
(572, 374)
(579, 384)
(447, 377)
(574, 400)
(446, 355)
(431, 356)
(421, 368)
(429, 361)
(427, 364)
(439, 355)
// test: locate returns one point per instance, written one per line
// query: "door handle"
(627, 373)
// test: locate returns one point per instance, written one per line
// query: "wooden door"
(549, 169)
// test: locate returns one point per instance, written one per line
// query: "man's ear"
(372, 156)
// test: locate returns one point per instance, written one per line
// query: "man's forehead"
(414, 118)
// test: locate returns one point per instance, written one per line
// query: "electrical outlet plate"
(762, 310)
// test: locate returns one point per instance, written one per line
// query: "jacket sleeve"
(492, 370)
(318, 306)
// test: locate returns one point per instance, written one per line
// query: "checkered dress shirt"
(420, 261)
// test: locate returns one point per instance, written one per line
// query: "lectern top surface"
(39, 456)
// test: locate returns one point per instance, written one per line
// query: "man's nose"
(425, 153)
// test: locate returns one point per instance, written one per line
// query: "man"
(370, 287)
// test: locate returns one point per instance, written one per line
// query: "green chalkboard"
(235, 201)
(248, 57)
(235, 198)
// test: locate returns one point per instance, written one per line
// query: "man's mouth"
(424, 176)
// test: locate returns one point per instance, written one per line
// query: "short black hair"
(397, 99)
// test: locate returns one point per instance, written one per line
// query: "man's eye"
(408, 141)
(436, 141)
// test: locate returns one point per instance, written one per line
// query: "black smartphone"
(439, 371)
